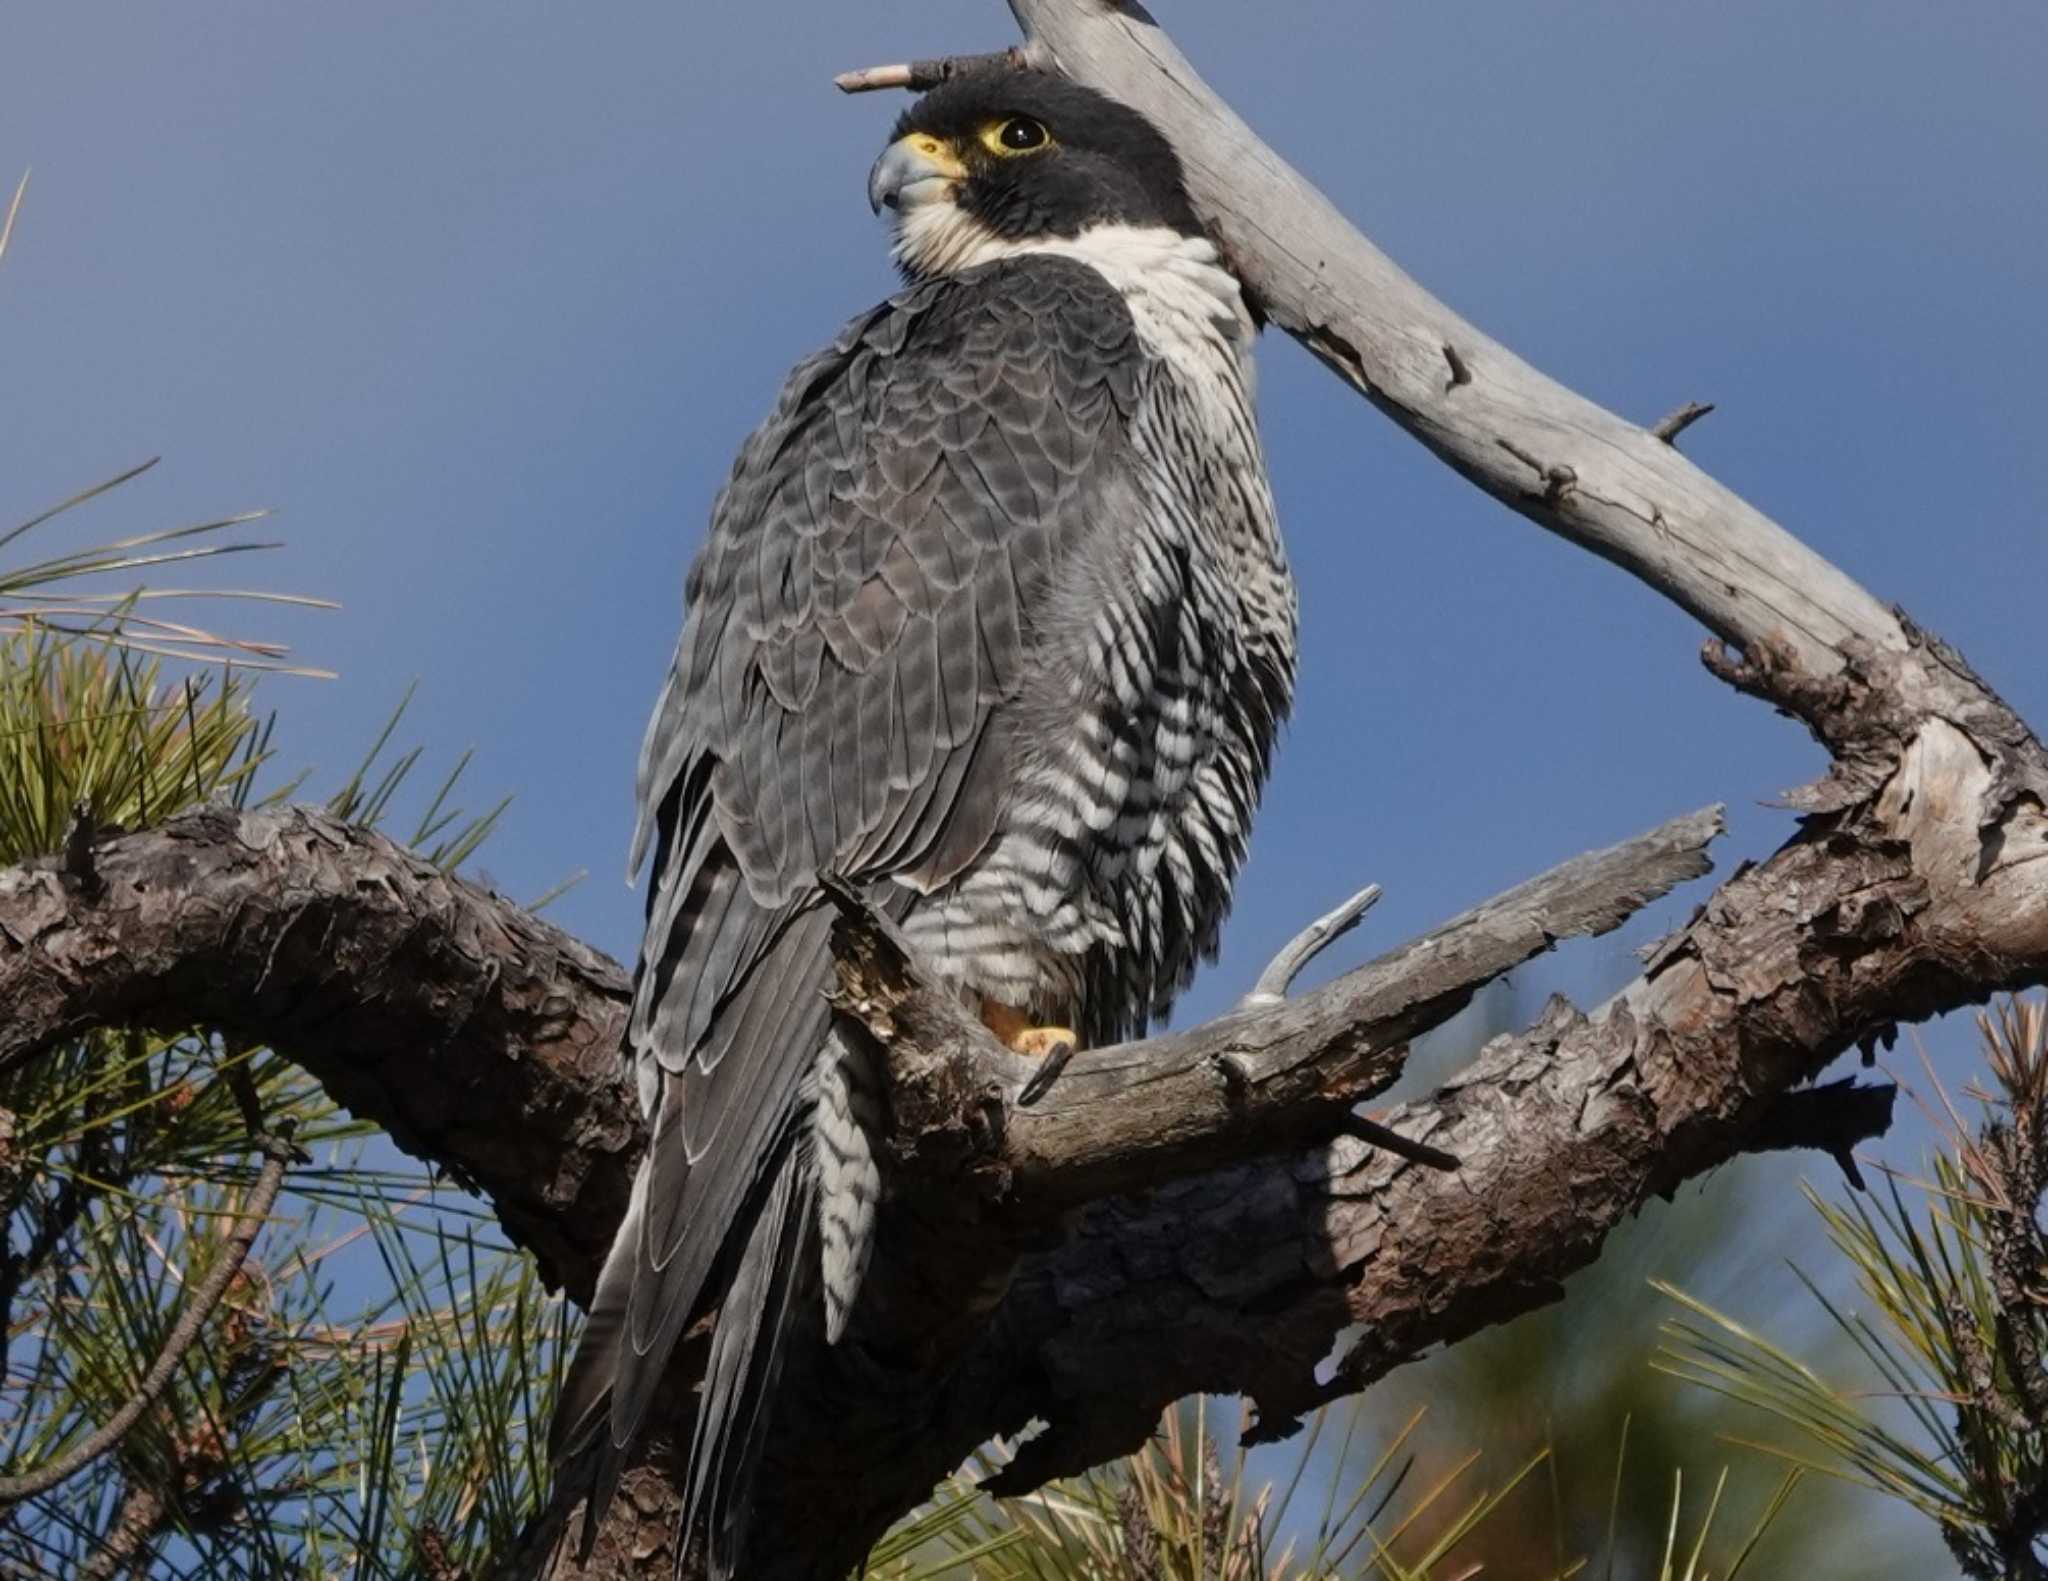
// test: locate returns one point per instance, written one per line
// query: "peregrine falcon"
(993, 622)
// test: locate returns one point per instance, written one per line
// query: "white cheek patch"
(938, 237)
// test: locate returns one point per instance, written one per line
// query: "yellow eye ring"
(1015, 134)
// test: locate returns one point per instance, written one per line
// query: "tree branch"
(138, 1520)
(1253, 1082)
(480, 1036)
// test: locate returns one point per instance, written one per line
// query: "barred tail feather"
(848, 1117)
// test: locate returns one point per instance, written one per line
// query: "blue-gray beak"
(912, 170)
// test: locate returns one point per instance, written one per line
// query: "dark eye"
(1020, 132)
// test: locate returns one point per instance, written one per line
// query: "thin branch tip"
(921, 76)
(1306, 945)
(1388, 1140)
(1670, 426)
(872, 79)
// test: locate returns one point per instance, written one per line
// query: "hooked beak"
(912, 170)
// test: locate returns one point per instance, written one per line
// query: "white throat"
(1175, 284)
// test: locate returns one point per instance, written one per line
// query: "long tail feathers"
(774, 1288)
(809, 1222)
(582, 1407)
(587, 1463)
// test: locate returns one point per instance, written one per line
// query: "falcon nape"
(994, 621)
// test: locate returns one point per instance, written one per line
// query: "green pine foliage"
(1955, 1324)
(365, 1393)
(366, 1386)
(1370, 1513)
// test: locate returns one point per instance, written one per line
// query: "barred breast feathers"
(1168, 660)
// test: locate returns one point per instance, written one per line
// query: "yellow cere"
(939, 152)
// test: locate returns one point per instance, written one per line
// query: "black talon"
(1047, 1073)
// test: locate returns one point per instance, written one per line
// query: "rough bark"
(1032, 1259)
(480, 1036)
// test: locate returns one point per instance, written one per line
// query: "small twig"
(1392, 1141)
(1305, 946)
(1668, 428)
(278, 1152)
(920, 76)
(137, 1519)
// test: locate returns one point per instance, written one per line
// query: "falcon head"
(1000, 160)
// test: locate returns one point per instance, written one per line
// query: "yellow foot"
(1043, 1042)
(1054, 1045)
(1022, 1035)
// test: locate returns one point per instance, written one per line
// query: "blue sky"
(482, 297)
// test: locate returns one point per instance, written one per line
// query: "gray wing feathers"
(860, 612)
